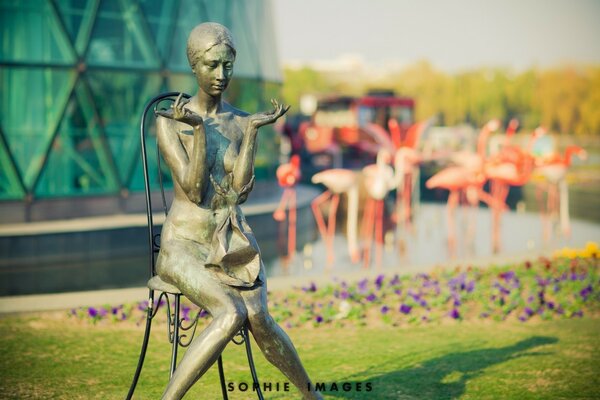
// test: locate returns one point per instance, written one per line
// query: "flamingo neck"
(568, 158)
(482, 141)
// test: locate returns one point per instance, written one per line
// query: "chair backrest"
(154, 231)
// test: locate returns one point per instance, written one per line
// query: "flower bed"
(565, 286)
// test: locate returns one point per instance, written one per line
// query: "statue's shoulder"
(236, 113)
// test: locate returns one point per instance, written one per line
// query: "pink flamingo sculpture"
(468, 178)
(406, 159)
(337, 181)
(512, 166)
(554, 170)
(288, 175)
(378, 181)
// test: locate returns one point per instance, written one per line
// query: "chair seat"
(155, 283)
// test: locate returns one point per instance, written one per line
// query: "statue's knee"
(260, 318)
(233, 319)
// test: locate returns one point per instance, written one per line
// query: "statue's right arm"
(189, 172)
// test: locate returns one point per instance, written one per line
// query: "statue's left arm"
(243, 169)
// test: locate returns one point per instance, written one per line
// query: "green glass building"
(75, 76)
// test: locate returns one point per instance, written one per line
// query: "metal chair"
(177, 329)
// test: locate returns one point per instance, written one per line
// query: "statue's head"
(211, 54)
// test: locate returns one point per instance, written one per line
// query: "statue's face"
(215, 69)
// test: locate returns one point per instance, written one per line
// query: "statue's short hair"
(204, 37)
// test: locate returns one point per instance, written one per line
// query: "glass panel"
(120, 98)
(78, 17)
(79, 161)
(247, 62)
(120, 37)
(191, 13)
(253, 96)
(137, 181)
(160, 16)
(32, 101)
(30, 32)
(10, 186)
(182, 83)
(219, 11)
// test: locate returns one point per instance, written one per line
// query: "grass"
(50, 356)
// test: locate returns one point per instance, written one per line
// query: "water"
(426, 244)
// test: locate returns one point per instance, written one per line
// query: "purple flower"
(379, 281)
(522, 318)
(395, 280)
(102, 312)
(318, 319)
(578, 313)
(470, 286)
(484, 315)
(423, 303)
(398, 291)
(550, 305)
(405, 308)
(143, 305)
(362, 286)
(311, 288)
(115, 310)
(371, 297)
(344, 295)
(541, 281)
(454, 313)
(507, 276)
(185, 310)
(92, 312)
(73, 311)
(585, 292)
(203, 314)
(384, 309)
(457, 301)
(528, 311)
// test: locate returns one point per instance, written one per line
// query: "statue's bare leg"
(275, 343)
(224, 304)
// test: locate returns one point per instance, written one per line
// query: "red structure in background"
(351, 130)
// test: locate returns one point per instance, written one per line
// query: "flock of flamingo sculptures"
(465, 179)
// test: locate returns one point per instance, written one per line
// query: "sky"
(451, 34)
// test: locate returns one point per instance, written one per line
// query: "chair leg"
(138, 369)
(222, 377)
(255, 381)
(175, 337)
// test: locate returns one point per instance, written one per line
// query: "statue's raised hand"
(178, 112)
(265, 118)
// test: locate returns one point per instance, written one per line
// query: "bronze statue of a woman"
(208, 250)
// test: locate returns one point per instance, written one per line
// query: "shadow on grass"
(440, 378)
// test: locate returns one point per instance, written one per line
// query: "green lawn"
(50, 356)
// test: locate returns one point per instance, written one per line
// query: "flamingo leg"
(279, 213)
(378, 216)
(367, 230)
(407, 197)
(315, 205)
(292, 224)
(453, 200)
(335, 200)
(565, 222)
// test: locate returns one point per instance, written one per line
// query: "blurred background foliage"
(565, 99)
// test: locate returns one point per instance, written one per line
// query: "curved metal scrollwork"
(242, 338)
(193, 324)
